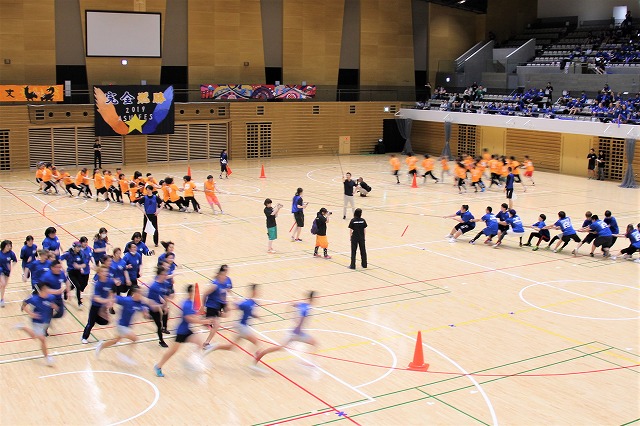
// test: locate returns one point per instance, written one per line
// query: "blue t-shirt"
(586, 223)
(601, 228)
(509, 183)
(71, 257)
(157, 291)
(86, 253)
(634, 238)
(565, 226)
(55, 282)
(116, 270)
(51, 244)
(129, 308)
(466, 216)
(150, 204)
(42, 307)
(27, 254)
(491, 221)
(303, 312)
(502, 216)
(135, 260)
(5, 261)
(102, 289)
(99, 244)
(218, 298)
(142, 248)
(516, 223)
(613, 224)
(297, 201)
(38, 269)
(246, 306)
(187, 309)
(543, 232)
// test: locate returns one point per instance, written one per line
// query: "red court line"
(306, 416)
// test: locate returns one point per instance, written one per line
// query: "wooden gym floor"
(512, 336)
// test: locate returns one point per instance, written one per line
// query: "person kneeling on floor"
(362, 187)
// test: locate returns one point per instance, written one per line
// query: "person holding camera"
(297, 208)
(357, 230)
(272, 229)
(321, 221)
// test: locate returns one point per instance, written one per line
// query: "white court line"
(529, 279)
(44, 202)
(154, 387)
(190, 229)
(61, 224)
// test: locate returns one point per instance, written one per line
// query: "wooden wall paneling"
(135, 149)
(223, 35)
(157, 148)
(386, 43)
(574, 154)
(15, 118)
(428, 137)
(614, 154)
(493, 139)
(636, 161)
(311, 38)
(544, 148)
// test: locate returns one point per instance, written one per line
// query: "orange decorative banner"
(27, 93)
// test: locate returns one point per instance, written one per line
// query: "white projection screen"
(123, 34)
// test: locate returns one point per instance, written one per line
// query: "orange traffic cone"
(197, 304)
(414, 184)
(262, 175)
(418, 358)
(189, 171)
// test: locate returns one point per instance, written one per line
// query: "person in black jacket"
(357, 229)
(362, 187)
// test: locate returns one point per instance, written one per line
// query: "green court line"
(633, 369)
(455, 408)
(618, 349)
(631, 422)
(290, 417)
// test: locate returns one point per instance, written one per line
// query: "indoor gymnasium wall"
(15, 120)
(544, 148)
(102, 71)
(574, 153)
(27, 39)
(222, 36)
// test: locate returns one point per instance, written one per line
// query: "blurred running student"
(28, 254)
(529, 169)
(395, 166)
(100, 301)
(272, 228)
(321, 220)
(444, 164)
(411, 162)
(215, 301)
(43, 308)
(427, 165)
(362, 187)
(100, 243)
(7, 257)
(297, 208)
(461, 174)
(75, 264)
(357, 229)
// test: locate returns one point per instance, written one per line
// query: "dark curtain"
(404, 127)
(446, 151)
(629, 180)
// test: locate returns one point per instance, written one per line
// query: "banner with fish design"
(134, 110)
(255, 91)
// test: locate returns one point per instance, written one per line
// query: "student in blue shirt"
(568, 233)
(169, 247)
(215, 300)
(51, 242)
(150, 205)
(297, 334)
(588, 239)
(130, 306)
(613, 225)
(184, 333)
(75, 264)
(297, 208)
(158, 294)
(466, 223)
(634, 242)
(28, 253)
(502, 217)
(491, 228)
(515, 222)
(37, 268)
(58, 284)
(100, 243)
(540, 232)
(101, 300)
(508, 187)
(43, 306)
(604, 236)
(6, 257)
(133, 261)
(142, 248)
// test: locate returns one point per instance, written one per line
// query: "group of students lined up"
(116, 186)
(601, 232)
(116, 283)
(498, 167)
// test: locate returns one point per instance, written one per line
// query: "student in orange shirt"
(494, 167)
(210, 193)
(98, 182)
(68, 183)
(476, 179)
(47, 179)
(461, 174)
(39, 172)
(123, 186)
(111, 183)
(133, 194)
(56, 177)
(528, 166)
(427, 165)
(174, 198)
(504, 169)
(150, 180)
(395, 166)
(80, 182)
(515, 167)
(411, 163)
(188, 189)
(444, 164)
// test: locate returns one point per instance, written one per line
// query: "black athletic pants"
(154, 221)
(355, 243)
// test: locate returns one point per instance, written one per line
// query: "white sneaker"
(453, 240)
(210, 348)
(448, 236)
(258, 369)
(626, 256)
(127, 359)
(637, 260)
(614, 257)
(99, 348)
(49, 360)
(19, 326)
(84, 341)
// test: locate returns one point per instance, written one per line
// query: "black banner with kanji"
(133, 110)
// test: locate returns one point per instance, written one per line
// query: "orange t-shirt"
(468, 162)
(529, 166)
(124, 185)
(39, 172)
(515, 166)
(494, 166)
(66, 178)
(108, 180)
(98, 180)
(395, 163)
(476, 174)
(79, 178)
(486, 157)
(173, 192)
(461, 172)
(427, 164)
(165, 193)
(209, 188)
(504, 170)
(411, 162)
(188, 189)
(445, 164)
(133, 195)
(47, 175)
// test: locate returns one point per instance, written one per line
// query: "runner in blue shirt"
(130, 305)
(184, 333)
(158, 294)
(215, 300)
(58, 284)
(51, 241)
(28, 253)
(100, 242)
(100, 301)
(508, 187)
(7, 256)
(491, 228)
(634, 239)
(75, 264)
(467, 223)
(568, 233)
(43, 306)
(297, 334)
(133, 262)
(540, 232)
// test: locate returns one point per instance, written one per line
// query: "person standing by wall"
(150, 204)
(349, 191)
(602, 163)
(297, 208)
(357, 231)
(224, 160)
(97, 154)
(591, 167)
